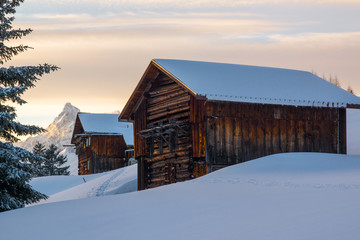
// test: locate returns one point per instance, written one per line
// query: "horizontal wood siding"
(168, 164)
(238, 132)
(166, 159)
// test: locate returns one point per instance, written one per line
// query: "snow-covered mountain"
(59, 132)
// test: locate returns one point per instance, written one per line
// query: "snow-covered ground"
(62, 188)
(284, 196)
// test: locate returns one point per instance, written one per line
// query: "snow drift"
(283, 196)
(61, 188)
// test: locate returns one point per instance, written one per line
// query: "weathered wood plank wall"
(215, 134)
(166, 159)
(107, 153)
(238, 132)
(197, 120)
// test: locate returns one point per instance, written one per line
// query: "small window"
(88, 165)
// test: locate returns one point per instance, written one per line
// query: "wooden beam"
(356, 106)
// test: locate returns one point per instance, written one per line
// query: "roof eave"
(140, 89)
(174, 78)
(356, 106)
(77, 121)
(126, 111)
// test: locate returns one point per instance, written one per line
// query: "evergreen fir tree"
(53, 162)
(39, 149)
(15, 174)
(15, 170)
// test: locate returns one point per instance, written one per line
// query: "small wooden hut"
(191, 118)
(102, 143)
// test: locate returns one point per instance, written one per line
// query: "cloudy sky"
(103, 47)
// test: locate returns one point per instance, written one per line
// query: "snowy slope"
(284, 196)
(61, 188)
(72, 160)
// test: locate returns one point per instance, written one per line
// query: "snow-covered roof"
(96, 123)
(242, 83)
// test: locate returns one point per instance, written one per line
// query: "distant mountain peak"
(66, 117)
(69, 107)
(59, 132)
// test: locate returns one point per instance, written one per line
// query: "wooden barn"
(102, 143)
(191, 118)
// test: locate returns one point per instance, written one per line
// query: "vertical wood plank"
(268, 137)
(308, 136)
(246, 139)
(260, 137)
(301, 135)
(283, 135)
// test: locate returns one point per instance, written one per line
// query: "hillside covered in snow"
(61, 188)
(283, 196)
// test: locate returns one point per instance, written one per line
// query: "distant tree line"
(50, 162)
(334, 80)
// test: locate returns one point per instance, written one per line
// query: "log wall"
(163, 159)
(238, 132)
(169, 160)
